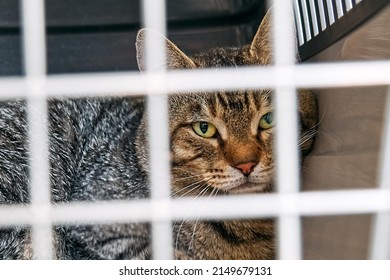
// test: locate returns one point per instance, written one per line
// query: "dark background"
(99, 35)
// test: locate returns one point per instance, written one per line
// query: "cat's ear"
(260, 50)
(176, 59)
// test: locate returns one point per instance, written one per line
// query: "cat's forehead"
(222, 57)
(222, 104)
(239, 101)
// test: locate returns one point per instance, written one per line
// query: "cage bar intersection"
(287, 204)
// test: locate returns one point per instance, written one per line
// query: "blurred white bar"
(287, 170)
(154, 17)
(346, 202)
(380, 235)
(283, 33)
(34, 42)
(34, 50)
(318, 75)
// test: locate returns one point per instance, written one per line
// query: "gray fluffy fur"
(92, 157)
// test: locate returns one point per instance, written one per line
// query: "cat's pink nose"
(246, 168)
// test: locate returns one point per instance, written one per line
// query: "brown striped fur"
(210, 166)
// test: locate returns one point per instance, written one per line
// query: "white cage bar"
(288, 204)
(34, 42)
(154, 17)
(287, 170)
(258, 205)
(318, 75)
(380, 242)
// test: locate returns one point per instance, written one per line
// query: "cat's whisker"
(201, 194)
(307, 136)
(186, 188)
(309, 133)
(183, 220)
(191, 187)
(193, 233)
(330, 137)
(204, 191)
(320, 118)
(214, 192)
(178, 233)
(187, 177)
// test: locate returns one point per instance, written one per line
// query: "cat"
(221, 143)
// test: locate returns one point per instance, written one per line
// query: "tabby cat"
(221, 143)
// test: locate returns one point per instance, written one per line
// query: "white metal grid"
(380, 243)
(33, 15)
(288, 204)
(154, 17)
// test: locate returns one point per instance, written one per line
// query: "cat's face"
(222, 142)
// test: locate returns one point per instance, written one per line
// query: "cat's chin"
(248, 187)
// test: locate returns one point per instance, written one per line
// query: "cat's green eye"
(267, 121)
(204, 129)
